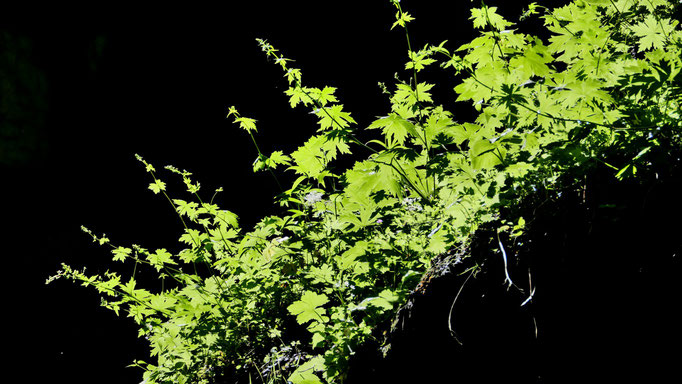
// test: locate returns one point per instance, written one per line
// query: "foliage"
(293, 298)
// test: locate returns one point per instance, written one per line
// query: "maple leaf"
(157, 186)
(437, 123)
(418, 60)
(296, 95)
(534, 60)
(186, 208)
(384, 301)
(276, 158)
(334, 115)
(481, 17)
(650, 33)
(308, 308)
(402, 19)
(304, 374)
(159, 258)
(246, 123)
(484, 154)
(309, 159)
(324, 96)
(394, 128)
(121, 253)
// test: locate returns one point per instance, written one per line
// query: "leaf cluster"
(293, 298)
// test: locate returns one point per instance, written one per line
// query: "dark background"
(84, 89)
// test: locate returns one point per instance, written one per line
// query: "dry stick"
(530, 297)
(504, 258)
(532, 290)
(452, 307)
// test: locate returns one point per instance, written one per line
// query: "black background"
(93, 86)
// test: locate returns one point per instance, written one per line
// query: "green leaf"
(488, 15)
(148, 167)
(395, 128)
(159, 258)
(484, 154)
(227, 217)
(308, 308)
(277, 158)
(410, 279)
(268, 163)
(406, 96)
(120, 253)
(259, 164)
(402, 19)
(192, 236)
(587, 90)
(628, 170)
(323, 274)
(365, 216)
(157, 186)
(461, 132)
(519, 169)
(534, 60)
(367, 177)
(305, 373)
(297, 95)
(333, 117)
(103, 240)
(324, 96)
(348, 259)
(650, 34)
(186, 208)
(438, 123)
(384, 301)
(310, 159)
(246, 124)
(418, 60)
(438, 242)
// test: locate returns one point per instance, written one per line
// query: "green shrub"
(291, 299)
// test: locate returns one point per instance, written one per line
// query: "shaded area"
(605, 261)
(23, 105)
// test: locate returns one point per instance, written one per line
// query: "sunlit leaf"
(309, 308)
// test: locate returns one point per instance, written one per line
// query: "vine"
(294, 297)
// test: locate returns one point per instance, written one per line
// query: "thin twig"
(452, 307)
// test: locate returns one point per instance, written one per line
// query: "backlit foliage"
(292, 298)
